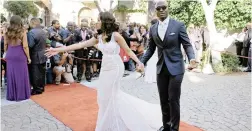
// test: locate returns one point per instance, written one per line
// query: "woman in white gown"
(118, 111)
(150, 72)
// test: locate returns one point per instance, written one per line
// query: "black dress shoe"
(41, 89)
(78, 80)
(75, 77)
(34, 92)
(247, 70)
(124, 75)
(161, 128)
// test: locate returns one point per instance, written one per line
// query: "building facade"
(45, 13)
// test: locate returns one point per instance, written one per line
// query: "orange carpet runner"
(75, 105)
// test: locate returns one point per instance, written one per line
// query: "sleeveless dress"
(119, 111)
(151, 69)
(18, 85)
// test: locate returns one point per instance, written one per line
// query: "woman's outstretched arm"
(54, 51)
(80, 45)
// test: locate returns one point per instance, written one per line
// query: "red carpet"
(76, 106)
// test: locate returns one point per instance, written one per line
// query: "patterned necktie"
(83, 34)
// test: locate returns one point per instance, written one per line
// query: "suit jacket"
(78, 35)
(37, 44)
(78, 38)
(169, 50)
(67, 33)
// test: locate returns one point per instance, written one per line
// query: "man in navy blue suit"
(167, 35)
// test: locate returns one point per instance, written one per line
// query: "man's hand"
(193, 64)
(71, 35)
(140, 67)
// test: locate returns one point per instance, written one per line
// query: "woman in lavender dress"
(17, 58)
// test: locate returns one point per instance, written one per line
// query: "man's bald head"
(70, 23)
(161, 10)
(84, 25)
(161, 3)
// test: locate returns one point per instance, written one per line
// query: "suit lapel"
(156, 37)
(168, 31)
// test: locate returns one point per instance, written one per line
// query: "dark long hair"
(16, 29)
(108, 25)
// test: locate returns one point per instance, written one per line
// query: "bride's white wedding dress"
(119, 111)
(151, 69)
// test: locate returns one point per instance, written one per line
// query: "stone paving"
(211, 102)
(28, 116)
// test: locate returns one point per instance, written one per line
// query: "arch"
(80, 11)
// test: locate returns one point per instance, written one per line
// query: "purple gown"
(18, 85)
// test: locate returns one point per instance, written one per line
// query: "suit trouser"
(245, 53)
(249, 59)
(80, 68)
(239, 52)
(169, 88)
(37, 76)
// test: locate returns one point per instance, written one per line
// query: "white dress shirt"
(162, 27)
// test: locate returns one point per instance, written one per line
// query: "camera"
(48, 64)
(90, 54)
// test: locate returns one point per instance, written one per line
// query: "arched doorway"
(89, 12)
(84, 13)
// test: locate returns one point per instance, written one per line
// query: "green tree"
(232, 14)
(189, 12)
(228, 14)
(21, 8)
(3, 19)
(215, 14)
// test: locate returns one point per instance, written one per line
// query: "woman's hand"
(29, 61)
(51, 52)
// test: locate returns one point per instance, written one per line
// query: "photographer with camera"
(63, 67)
(83, 34)
(69, 38)
(69, 34)
(56, 34)
(95, 54)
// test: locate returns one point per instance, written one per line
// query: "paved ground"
(211, 102)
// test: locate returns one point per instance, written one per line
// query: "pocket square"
(172, 34)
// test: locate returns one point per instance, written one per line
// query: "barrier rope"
(143, 53)
(226, 52)
(96, 59)
(82, 58)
